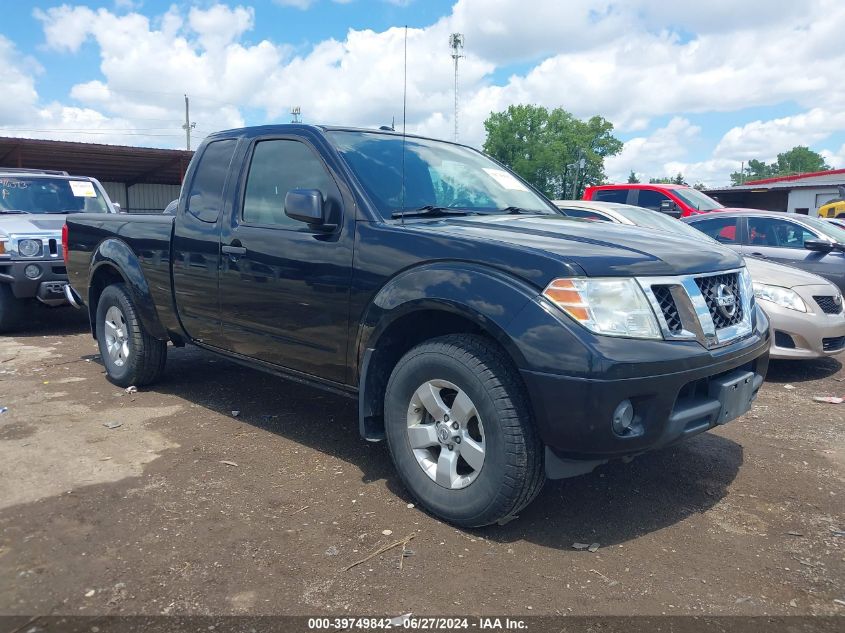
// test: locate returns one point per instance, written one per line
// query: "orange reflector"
(2, 248)
(564, 293)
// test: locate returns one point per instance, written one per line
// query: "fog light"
(623, 417)
(33, 271)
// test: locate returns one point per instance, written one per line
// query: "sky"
(690, 87)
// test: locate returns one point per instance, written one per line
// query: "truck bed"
(148, 236)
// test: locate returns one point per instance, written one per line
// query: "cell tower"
(296, 114)
(456, 43)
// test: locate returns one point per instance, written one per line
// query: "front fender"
(486, 296)
(116, 254)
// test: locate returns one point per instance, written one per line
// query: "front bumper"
(575, 382)
(801, 335)
(47, 288)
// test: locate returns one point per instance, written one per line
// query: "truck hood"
(31, 224)
(599, 249)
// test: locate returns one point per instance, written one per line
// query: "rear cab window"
(205, 197)
(611, 195)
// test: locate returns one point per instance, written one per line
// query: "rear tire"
(460, 432)
(11, 310)
(131, 356)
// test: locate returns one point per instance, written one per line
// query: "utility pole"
(296, 114)
(456, 43)
(188, 126)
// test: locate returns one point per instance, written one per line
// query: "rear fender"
(115, 256)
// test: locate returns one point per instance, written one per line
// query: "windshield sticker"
(82, 188)
(505, 180)
(8, 183)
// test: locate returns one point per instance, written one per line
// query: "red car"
(676, 200)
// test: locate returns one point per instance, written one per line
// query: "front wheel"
(460, 433)
(131, 356)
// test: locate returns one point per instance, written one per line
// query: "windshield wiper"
(521, 211)
(431, 211)
(13, 211)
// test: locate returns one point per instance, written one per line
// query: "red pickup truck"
(676, 200)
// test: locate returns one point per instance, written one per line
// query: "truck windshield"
(26, 194)
(437, 175)
(697, 200)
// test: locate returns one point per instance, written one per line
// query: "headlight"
(29, 248)
(615, 307)
(783, 297)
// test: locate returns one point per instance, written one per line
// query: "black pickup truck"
(490, 340)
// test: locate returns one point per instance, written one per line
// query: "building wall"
(142, 198)
(810, 198)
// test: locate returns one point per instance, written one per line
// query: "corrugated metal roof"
(114, 163)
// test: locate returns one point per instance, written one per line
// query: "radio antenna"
(404, 108)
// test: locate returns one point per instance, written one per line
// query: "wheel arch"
(115, 262)
(424, 303)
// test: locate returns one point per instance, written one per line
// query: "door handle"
(233, 250)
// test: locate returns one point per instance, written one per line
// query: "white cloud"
(17, 79)
(651, 156)
(834, 159)
(765, 139)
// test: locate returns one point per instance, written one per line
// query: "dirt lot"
(188, 508)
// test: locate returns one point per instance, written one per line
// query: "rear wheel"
(11, 309)
(131, 356)
(460, 432)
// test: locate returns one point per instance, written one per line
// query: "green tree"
(541, 144)
(677, 180)
(799, 160)
(700, 186)
(632, 179)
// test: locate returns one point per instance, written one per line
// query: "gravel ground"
(186, 507)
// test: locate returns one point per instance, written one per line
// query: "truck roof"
(642, 185)
(47, 173)
(31, 172)
(287, 128)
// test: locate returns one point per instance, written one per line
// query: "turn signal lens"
(2, 247)
(610, 306)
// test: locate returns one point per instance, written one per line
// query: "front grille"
(833, 344)
(710, 286)
(666, 301)
(828, 304)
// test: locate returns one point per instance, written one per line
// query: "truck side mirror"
(670, 208)
(117, 208)
(306, 205)
(822, 246)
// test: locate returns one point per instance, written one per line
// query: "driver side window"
(777, 233)
(277, 167)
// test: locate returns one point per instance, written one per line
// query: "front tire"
(460, 432)
(131, 356)
(11, 310)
